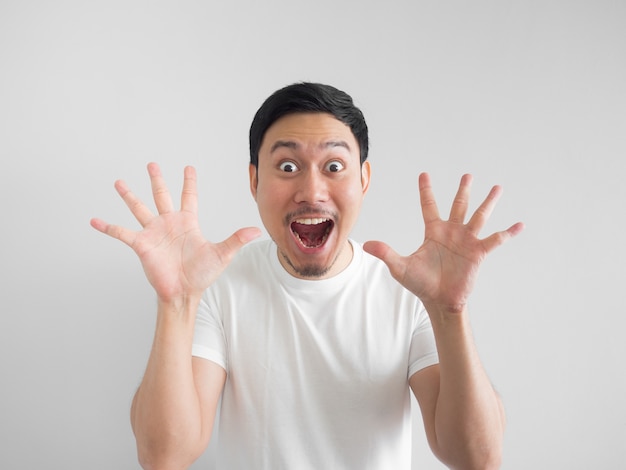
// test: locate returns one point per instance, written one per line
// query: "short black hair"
(306, 97)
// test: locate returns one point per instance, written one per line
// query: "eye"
(288, 167)
(334, 166)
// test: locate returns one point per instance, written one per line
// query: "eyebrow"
(294, 145)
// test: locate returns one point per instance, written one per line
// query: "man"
(311, 342)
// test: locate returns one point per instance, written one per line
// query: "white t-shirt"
(317, 369)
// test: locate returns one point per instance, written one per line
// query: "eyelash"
(327, 167)
(282, 164)
(335, 162)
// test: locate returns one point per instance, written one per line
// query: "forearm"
(469, 419)
(165, 413)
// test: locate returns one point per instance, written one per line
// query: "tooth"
(311, 221)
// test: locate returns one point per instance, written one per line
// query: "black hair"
(307, 97)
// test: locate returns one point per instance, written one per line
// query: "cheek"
(353, 194)
(271, 203)
(270, 194)
(356, 196)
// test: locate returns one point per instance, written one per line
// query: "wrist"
(446, 317)
(181, 309)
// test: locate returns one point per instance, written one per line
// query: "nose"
(312, 188)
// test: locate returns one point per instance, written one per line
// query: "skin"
(173, 423)
(326, 181)
(173, 410)
(463, 416)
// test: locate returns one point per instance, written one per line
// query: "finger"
(161, 194)
(496, 239)
(138, 208)
(461, 200)
(387, 255)
(189, 198)
(236, 241)
(430, 212)
(480, 217)
(115, 231)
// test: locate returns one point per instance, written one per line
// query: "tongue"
(311, 235)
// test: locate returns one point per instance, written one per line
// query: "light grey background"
(527, 94)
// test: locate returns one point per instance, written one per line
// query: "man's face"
(309, 186)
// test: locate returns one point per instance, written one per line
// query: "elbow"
(484, 459)
(151, 459)
(166, 449)
(147, 461)
(478, 457)
(479, 451)
(167, 455)
(490, 463)
(491, 460)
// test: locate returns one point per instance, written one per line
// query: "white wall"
(528, 94)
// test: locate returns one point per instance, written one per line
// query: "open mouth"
(312, 233)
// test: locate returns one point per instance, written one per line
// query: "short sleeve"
(209, 341)
(423, 350)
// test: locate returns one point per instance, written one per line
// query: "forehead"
(308, 129)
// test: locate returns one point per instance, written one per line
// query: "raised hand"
(176, 258)
(442, 272)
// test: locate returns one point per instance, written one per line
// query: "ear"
(366, 172)
(254, 179)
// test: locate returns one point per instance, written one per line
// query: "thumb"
(236, 241)
(387, 255)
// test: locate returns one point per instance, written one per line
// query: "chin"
(311, 271)
(307, 269)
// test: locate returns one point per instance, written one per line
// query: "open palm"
(176, 258)
(442, 272)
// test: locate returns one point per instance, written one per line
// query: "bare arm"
(173, 410)
(463, 415)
